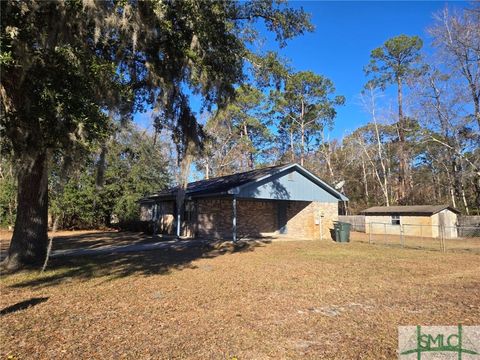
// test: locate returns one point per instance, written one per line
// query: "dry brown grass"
(298, 299)
(471, 244)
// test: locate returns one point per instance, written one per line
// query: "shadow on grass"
(93, 240)
(22, 305)
(145, 263)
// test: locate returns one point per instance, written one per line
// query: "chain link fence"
(430, 237)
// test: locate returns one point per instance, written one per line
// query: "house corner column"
(178, 222)
(234, 219)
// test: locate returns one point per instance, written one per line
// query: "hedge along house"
(285, 200)
(416, 220)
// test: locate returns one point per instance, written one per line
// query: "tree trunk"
(476, 182)
(476, 100)
(302, 144)
(365, 183)
(250, 159)
(207, 170)
(101, 165)
(183, 183)
(302, 128)
(30, 236)
(292, 146)
(402, 152)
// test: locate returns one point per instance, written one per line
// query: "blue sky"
(339, 48)
(345, 33)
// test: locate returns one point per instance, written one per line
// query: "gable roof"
(230, 184)
(412, 209)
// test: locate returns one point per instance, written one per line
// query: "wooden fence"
(468, 226)
(357, 221)
(464, 220)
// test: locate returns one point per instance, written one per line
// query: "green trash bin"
(342, 231)
(336, 230)
(345, 232)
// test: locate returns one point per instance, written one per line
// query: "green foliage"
(305, 106)
(73, 71)
(309, 93)
(54, 87)
(8, 193)
(394, 60)
(238, 133)
(135, 167)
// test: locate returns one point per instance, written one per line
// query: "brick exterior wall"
(311, 220)
(212, 218)
(256, 218)
(166, 220)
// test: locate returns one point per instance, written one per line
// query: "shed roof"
(409, 209)
(227, 185)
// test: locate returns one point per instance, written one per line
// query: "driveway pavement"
(113, 249)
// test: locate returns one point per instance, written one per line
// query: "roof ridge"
(234, 174)
(409, 208)
(426, 205)
(244, 172)
(223, 185)
(225, 178)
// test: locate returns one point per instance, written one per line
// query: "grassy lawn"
(291, 299)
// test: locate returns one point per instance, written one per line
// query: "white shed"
(416, 220)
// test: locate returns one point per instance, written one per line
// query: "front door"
(282, 217)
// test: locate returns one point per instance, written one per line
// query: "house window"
(395, 219)
(290, 177)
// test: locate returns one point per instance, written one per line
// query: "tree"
(65, 65)
(393, 63)
(135, 167)
(49, 91)
(446, 123)
(457, 37)
(305, 106)
(369, 101)
(238, 133)
(8, 189)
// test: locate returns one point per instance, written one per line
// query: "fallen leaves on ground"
(292, 299)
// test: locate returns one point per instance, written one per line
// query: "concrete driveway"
(114, 249)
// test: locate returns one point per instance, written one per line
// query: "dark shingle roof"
(220, 184)
(413, 209)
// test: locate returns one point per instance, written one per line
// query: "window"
(290, 177)
(395, 219)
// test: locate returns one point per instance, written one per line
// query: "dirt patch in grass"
(298, 299)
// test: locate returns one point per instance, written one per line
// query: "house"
(416, 220)
(285, 200)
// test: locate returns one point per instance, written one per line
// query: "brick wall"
(214, 218)
(259, 218)
(166, 220)
(311, 220)
(254, 219)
